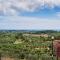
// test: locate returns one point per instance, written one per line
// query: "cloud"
(58, 14)
(28, 23)
(14, 7)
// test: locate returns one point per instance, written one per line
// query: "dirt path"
(7, 58)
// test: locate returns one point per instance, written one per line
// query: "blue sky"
(30, 14)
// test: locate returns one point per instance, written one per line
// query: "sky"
(30, 14)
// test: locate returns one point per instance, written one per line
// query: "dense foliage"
(27, 47)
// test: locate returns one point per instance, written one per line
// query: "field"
(31, 45)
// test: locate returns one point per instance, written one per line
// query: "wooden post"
(56, 57)
(0, 56)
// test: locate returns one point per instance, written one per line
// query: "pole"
(52, 49)
(52, 45)
(57, 57)
(0, 56)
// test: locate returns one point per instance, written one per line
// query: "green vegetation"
(26, 45)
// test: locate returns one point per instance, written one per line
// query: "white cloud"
(58, 14)
(11, 7)
(28, 23)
